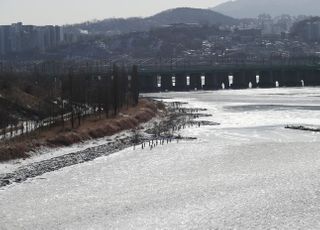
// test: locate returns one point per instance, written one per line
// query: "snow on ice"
(248, 173)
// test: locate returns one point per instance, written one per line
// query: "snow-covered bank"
(49, 153)
(248, 173)
(90, 128)
(162, 131)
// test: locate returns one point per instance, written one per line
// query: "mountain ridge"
(243, 8)
(171, 16)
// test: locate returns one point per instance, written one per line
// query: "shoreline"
(92, 128)
(161, 131)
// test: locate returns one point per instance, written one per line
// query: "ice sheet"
(248, 173)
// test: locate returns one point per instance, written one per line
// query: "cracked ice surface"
(248, 173)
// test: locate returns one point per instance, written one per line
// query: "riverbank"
(91, 128)
(171, 118)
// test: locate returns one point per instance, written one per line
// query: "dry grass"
(91, 128)
(8, 152)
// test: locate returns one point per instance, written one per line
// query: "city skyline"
(59, 12)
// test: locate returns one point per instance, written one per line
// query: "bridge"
(214, 77)
(184, 74)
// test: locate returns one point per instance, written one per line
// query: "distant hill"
(166, 42)
(173, 16)
(252, 8)
(191, 15)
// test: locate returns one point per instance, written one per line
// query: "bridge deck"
(181, 78)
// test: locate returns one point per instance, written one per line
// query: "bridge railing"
(104, 66)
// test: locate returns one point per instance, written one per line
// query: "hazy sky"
(59, 12)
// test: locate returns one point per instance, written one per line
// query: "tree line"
(42, 100)
(101, 94)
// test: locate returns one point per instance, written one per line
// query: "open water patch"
(270, 107)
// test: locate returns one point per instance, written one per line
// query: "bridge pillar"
(211, 81)
(278, 76)
(222, 78)
(240, 80)
(311, 77)
(195, 81)
(252, 78)
(148, 83)
(181, 82)
(304, 76)
(166, 82)
(266, 79)
(316, 74)
(290, 78)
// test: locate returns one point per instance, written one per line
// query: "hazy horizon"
(59, 12)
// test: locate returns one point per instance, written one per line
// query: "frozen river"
(247, 173)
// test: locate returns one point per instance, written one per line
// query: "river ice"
(247, 173)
